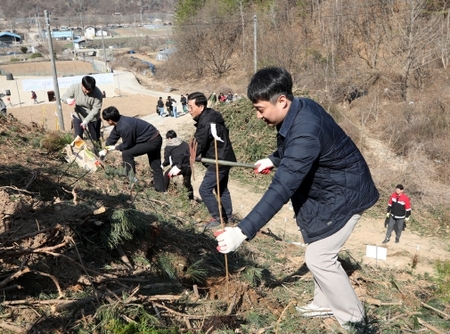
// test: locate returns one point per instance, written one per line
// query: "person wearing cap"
(87, 100)
(398, 212)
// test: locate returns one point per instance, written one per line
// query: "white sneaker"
(312, 310)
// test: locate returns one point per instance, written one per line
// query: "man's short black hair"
(399, 186)
(200, 99)
(111, 114)
(269, 83)
(171, 134)
(88, 83)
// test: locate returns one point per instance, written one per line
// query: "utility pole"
(55, 76)
(104, 52)
(254, 44)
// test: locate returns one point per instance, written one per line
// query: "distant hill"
(29, 8)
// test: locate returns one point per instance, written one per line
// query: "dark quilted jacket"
(320, 169)
(205, 140)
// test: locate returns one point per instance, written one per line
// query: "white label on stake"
(214, 132)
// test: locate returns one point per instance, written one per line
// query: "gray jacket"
(87, 107)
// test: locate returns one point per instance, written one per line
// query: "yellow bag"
(84, 157)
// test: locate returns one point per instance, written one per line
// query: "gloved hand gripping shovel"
(99, 158)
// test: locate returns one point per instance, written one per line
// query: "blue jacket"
(320, 169)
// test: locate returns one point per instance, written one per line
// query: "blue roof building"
(9, 37)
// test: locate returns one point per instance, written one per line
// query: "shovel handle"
(225, 163)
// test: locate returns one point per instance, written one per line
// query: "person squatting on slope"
(87, 100)
(176, 154)
(398, 211)
(205, 119)
(328, 181)
(138, 137)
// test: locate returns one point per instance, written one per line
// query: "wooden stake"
(219, 204)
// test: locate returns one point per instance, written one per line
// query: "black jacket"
(178, 151)
(132, 131)
(320, 169)
(205, 139)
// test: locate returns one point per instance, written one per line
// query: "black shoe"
(397, 240)
(385, 241)
(211, 224)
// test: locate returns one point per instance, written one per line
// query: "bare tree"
(209, 41)
(443, 41)
(364, 33)
(411, 35)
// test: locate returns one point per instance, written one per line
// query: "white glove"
(263, 165)
(71, 102)
(174, 171)
(83, 125)
(102, 153)
(229, 239)
(407, 219)
(110, 147)
(388, 215)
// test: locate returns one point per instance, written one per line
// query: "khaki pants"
(332, 287)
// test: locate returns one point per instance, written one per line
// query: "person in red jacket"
(398, 211)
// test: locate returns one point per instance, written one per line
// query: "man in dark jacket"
(160, 106)
(328, 181)
(398, 211)
(176, 154)
(211, 130)
(169, 106)
(138, 137)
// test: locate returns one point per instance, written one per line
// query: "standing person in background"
(212, 100)
(2, 107)
(176, 154)
(183, 101)
(160, 106)
(34, 97)
(398, 211)
(138, 138)
(174, 108)
(325, 175)
(206, 119)
(87, 100)
(229, 97)
(169, 106)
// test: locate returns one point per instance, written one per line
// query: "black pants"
(93, 128)
(153, 150)
(187, 173)
(208, 191)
